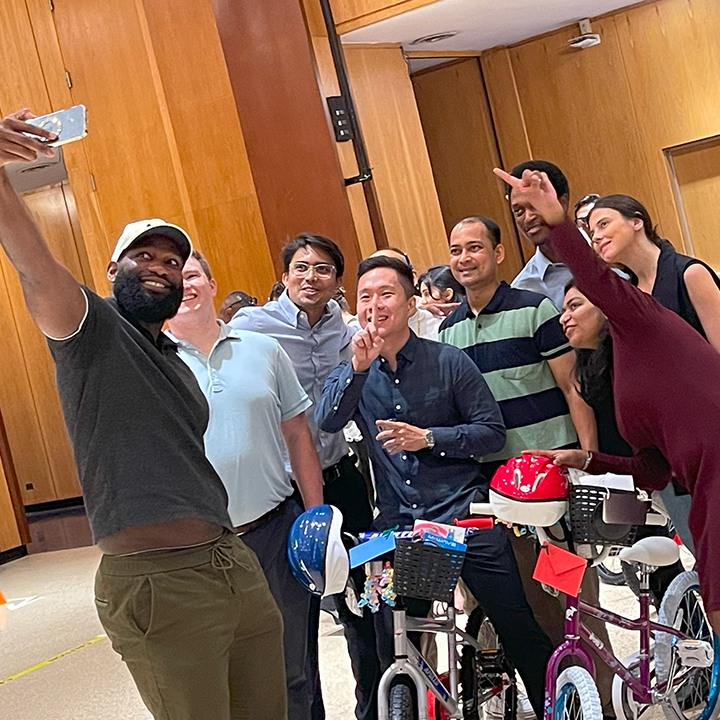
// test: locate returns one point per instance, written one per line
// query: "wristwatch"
(430, 438)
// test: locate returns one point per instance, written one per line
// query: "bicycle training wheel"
(577, 696)
(695, 695)
(610, 570)
(487, 678)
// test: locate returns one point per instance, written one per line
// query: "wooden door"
(696, 171)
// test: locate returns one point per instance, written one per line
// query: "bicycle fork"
(409, 661)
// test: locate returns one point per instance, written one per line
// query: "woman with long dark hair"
(666, 384)
(623, 233)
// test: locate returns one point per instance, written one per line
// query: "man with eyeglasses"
(582, 212)
(308, 324)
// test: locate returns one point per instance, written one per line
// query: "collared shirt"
(315, 351)
(542, 276)
(435, 386)
(251, 387)
(136, 417)
(511, 340)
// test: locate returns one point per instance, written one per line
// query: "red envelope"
(560, 569)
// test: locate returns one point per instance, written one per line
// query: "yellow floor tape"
(51, 660)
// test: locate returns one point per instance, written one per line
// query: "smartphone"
(69, 125)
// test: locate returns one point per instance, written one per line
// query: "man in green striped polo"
(515, 339)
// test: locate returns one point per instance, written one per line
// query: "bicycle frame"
(578, 638)
(409, 661)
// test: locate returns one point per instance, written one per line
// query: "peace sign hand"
(535, 188)
(366, 346)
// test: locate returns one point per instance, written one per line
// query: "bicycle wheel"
(577, 696)
(486, 677)
(695, 695)
(610, 570)
(401, 703)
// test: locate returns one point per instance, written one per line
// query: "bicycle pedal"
(695, 653)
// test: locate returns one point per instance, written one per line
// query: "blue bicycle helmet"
(318, 558)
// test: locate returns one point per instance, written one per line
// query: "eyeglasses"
(582, 221)
(322, 270)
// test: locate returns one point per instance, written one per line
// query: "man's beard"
(140, 304)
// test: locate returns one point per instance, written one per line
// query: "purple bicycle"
(678, 663)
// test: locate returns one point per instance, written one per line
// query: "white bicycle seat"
(657, 551)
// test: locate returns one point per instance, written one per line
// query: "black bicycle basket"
(586, 519)
(425, 571)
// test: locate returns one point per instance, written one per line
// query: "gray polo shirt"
(136, 418)
(251, 387)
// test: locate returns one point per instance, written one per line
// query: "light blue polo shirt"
(251, 387)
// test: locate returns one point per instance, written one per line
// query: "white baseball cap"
(135, 231)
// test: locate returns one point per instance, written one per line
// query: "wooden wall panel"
(579, 113)
(212, 154)
(295, 166)
(93, 252)
(505, 104)
(671, 54)
(397, 151)
(18, 404)
(461, 143)
(9, 531)
(105, 52)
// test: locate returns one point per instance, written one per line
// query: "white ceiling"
(482, 23)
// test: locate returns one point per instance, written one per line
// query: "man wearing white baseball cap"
(182, 599)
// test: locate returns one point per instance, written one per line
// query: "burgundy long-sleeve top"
(666, 389)
(666, 376)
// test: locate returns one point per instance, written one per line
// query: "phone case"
(70, 124)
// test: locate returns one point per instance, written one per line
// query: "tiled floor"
(51, 594)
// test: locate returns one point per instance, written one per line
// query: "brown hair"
(630, 209)
(203, 263)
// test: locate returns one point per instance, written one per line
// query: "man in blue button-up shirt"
(308, 324)
(430, 414)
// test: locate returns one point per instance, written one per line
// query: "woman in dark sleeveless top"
(623, 233)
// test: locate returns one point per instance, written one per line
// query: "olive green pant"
(198, 630)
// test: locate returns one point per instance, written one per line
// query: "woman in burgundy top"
(666, 383)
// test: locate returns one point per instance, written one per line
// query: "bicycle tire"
(401, 703)
(478, 674)
(577, 696)
(609, 576)
(682, 609)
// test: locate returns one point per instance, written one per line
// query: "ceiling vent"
(434, 38)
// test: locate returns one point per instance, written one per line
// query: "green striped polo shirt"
(511, 341)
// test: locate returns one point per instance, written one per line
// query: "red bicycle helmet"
(529, 490)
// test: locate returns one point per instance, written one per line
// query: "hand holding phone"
(19, 142)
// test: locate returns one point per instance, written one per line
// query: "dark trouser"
(346, 490)
(550, 611)
(492, 576)
(300, 611)
(198, 629)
